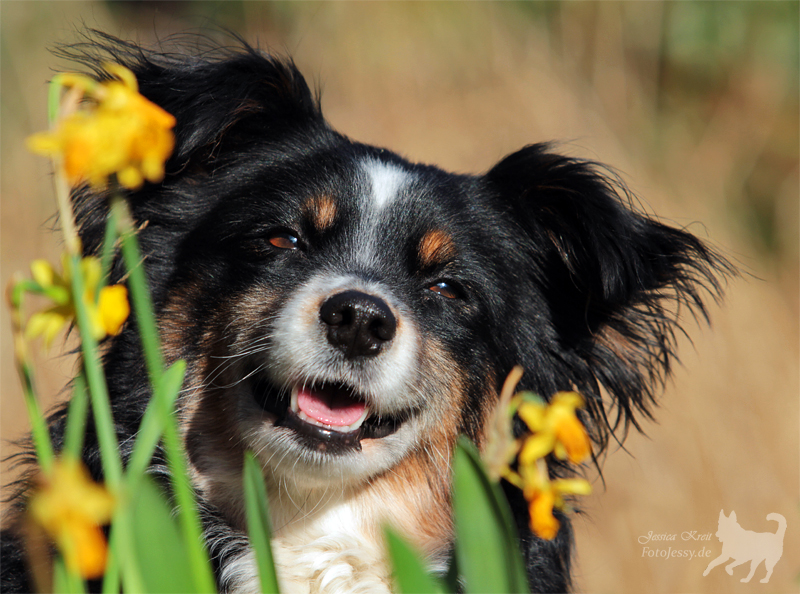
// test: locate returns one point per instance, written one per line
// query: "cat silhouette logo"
(745, 545)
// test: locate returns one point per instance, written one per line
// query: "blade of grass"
(258, 523)
(159, 542)
(65, 581)
(125, 561)
(152, 426)
(409, 572)
(487, 552)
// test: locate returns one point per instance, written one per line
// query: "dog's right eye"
(284, 240)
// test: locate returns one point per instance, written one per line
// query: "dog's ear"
(214, 92)
(613, 283)
(225, 100)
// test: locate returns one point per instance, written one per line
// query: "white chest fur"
(334, 551)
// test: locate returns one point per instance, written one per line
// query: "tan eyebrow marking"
(321, 210)
(435, 247)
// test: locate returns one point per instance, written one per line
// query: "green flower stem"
(111, 577)
(109, 243)
(148, 331)
(137, 285)
(95, 377)
(76, 419)
(41, 435)
(66, 581)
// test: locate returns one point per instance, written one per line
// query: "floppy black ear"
(614, 282)
(226, 100)
(213, 91)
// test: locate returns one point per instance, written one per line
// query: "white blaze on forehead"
(386, 180)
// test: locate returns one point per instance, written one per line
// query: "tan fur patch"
(321, 210)
(436, 247)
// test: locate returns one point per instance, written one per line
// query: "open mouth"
(327, 417)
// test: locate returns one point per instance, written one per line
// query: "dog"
(346, 314)
(745, 545)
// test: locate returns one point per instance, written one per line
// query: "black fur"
(556, 270)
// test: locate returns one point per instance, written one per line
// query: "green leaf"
(487, 552)
(410, 574)
(152, 425)
(65, 581)
(258, 523)
(160, 548)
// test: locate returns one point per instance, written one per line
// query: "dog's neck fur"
(330, 540)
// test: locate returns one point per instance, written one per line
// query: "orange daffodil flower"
(555, 429)
(117, 132)
(544, 494)
(71, 509)
(108, 309)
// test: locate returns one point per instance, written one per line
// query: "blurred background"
(695, 104)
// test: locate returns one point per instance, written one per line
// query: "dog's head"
(342, 309)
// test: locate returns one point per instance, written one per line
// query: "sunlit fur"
(266, 212)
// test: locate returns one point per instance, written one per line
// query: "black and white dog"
(346, 314)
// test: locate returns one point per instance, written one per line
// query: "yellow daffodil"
(118, 132)
(544, 494)
(107, 313)
(556, 429)
(71, 508)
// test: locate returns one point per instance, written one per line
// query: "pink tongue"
(330, 406)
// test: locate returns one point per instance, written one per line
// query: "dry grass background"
(707, 139)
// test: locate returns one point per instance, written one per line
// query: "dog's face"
(339, 313)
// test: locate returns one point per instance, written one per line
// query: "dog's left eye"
(445, 289)
(284, 240)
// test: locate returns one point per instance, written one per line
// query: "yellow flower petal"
(536, 446)
(43, 143)
(543, 523)
(47, 324)
(92, 269)
(570, 400)
(571, 433)
(42, 272)
(572, 486)
(114, 308)
(85, 549)
(533, 413)
(70, 507)
(130, 178)
(122, 73)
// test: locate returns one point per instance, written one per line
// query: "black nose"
(358, 324)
